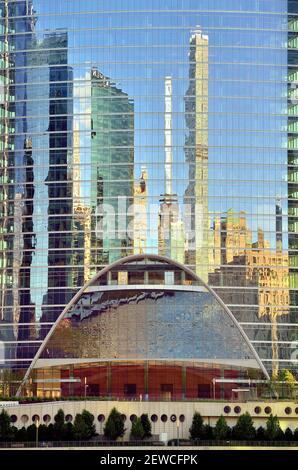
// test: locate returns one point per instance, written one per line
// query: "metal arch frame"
(131, 259)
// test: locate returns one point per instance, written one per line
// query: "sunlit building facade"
(187, 108)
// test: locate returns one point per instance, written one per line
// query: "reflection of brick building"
(252, 265)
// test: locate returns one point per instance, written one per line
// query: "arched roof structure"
(146, 307)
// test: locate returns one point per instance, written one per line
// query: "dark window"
(13, 418)
(93, 390)
(47, 418)
(203, 391)
(130, 389)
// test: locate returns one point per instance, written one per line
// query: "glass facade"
(165, 127)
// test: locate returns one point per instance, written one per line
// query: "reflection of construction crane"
(83, 217)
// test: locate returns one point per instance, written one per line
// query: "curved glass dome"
(146, 307)
(147, 324)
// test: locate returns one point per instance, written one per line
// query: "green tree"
(89, 420)
(273, 430)
(59, 427)
(80, 428)
(50, 432)
(114, 426)
(244, 428)
(31, 433)
(296, 435)
(146, 425)
(43, 432)
(289, 434)
(288, 387)
(6, 432)
(14, 430)
(21, 435)
(221, 430)
(137, 431)
(260, 434)
(207, 433)
(69, 431)
(197, 427)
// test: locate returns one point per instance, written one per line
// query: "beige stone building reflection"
(140, 203)
(252, 265)
(82, 213)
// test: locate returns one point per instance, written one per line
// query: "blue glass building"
(201, 96)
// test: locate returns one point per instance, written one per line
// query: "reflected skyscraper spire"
(171, 233)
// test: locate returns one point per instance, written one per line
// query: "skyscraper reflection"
(171, 233)
(112, 160)
(196, 152)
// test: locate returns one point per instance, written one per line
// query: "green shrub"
(21, 435)
(197, 427)
(221, 430)
(59, 428)
(146, 425)
(80, 428)
(114, 426)
(288, 435)
(273, 430)
(244, 428)
(31, 433)
(137, 431)
(260, 434)
(6, 432)
(89, 420)
(207, 433)
(69, 431)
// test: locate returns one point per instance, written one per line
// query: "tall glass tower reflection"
(198, 123)
(112, 159)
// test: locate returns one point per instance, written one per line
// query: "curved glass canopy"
(147, 307)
